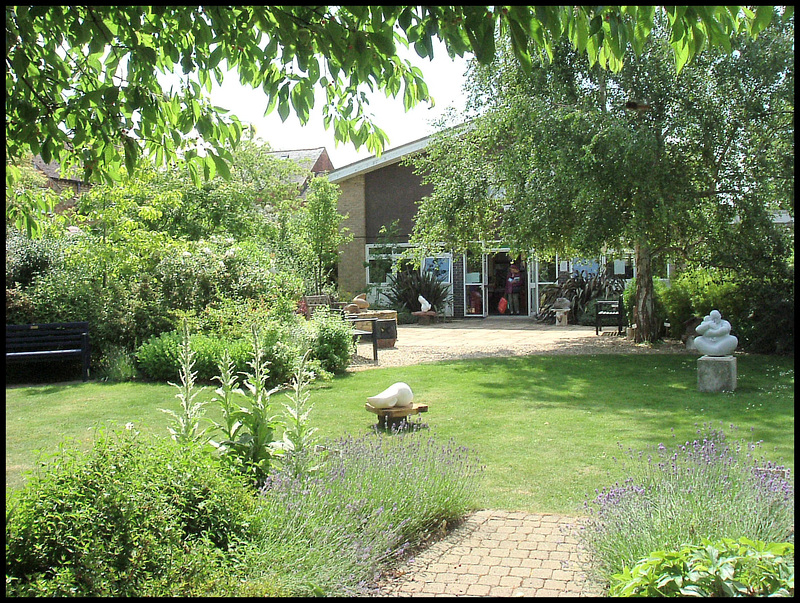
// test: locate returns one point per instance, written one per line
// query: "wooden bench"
(609, 309)
(361, 334)
(312, 302)
(47, 341)
(395, 416)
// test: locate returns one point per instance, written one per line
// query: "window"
(440, 266)
(382, 261)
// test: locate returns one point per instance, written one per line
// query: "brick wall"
(352, 274)
(458, 285)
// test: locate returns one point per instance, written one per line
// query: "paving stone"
(499, 553)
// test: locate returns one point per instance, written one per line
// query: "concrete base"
(716, 373)
(561, 318)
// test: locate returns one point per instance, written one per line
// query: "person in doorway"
(513, 286)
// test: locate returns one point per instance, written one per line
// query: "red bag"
(502, 305)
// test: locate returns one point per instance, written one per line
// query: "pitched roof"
(315, 160)
(370, 164)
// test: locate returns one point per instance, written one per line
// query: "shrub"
(373, 497)
(131, 513)
(706, 488)
(28, 258)
(331, 341)
(407, 285)
(760, 310)
(725, 568)
(158, 357)
(117, 365)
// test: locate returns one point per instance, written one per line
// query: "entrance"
(498, 264)
(485, 280)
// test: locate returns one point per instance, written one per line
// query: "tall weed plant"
(706, 488)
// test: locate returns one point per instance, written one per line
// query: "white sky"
(444, 77)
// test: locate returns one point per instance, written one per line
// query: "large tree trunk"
(644, 314)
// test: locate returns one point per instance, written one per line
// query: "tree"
(320, 227)
(82, 82)
(568, 158)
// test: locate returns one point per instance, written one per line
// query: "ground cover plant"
(723, 568)
(710, 487)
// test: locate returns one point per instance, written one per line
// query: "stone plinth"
(716, 373)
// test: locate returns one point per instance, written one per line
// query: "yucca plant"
(581, 289)
(406, 286)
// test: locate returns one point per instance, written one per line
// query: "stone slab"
(716, 374)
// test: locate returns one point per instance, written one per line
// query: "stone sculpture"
(396, 395)
(426, 305)
(714, 336)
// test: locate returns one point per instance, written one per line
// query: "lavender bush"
(373, 497)
(706, 488)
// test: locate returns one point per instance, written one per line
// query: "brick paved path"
(499, 553)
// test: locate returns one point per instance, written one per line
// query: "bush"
(706, 488)
(28, 258)
(725, 568)
(760, 310)
(332, 341)
(284, 344)
(131, 516)
(158, 357)
(406, 286)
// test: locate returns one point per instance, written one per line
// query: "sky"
(444, 77)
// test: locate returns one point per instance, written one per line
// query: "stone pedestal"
(716, 373)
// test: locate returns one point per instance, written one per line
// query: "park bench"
(611, 310)
(312, 302)
(48, 341)
(362, 334)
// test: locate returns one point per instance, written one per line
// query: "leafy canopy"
(83, 87)
(568, 158)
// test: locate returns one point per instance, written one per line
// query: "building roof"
(315, 160)
(373, 163)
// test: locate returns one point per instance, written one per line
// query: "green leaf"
(222, 166)
(764, 15)
(682, 54)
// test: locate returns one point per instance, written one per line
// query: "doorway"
(498, 264)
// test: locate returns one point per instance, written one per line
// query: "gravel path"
(497, 337)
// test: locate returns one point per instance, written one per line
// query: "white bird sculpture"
(398, 394)
(426, 305)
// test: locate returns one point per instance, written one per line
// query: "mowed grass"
(546, 427)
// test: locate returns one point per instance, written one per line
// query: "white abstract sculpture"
(426, 305)
(715, 338)
(398, 394)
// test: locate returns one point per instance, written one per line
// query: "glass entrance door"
(475, 285)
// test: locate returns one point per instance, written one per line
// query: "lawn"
(546, 428)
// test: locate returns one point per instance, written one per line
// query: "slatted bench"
(48, 341)
(609, 309)
(361, 334)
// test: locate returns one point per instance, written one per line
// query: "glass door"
(533, 289)
(475, 285)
